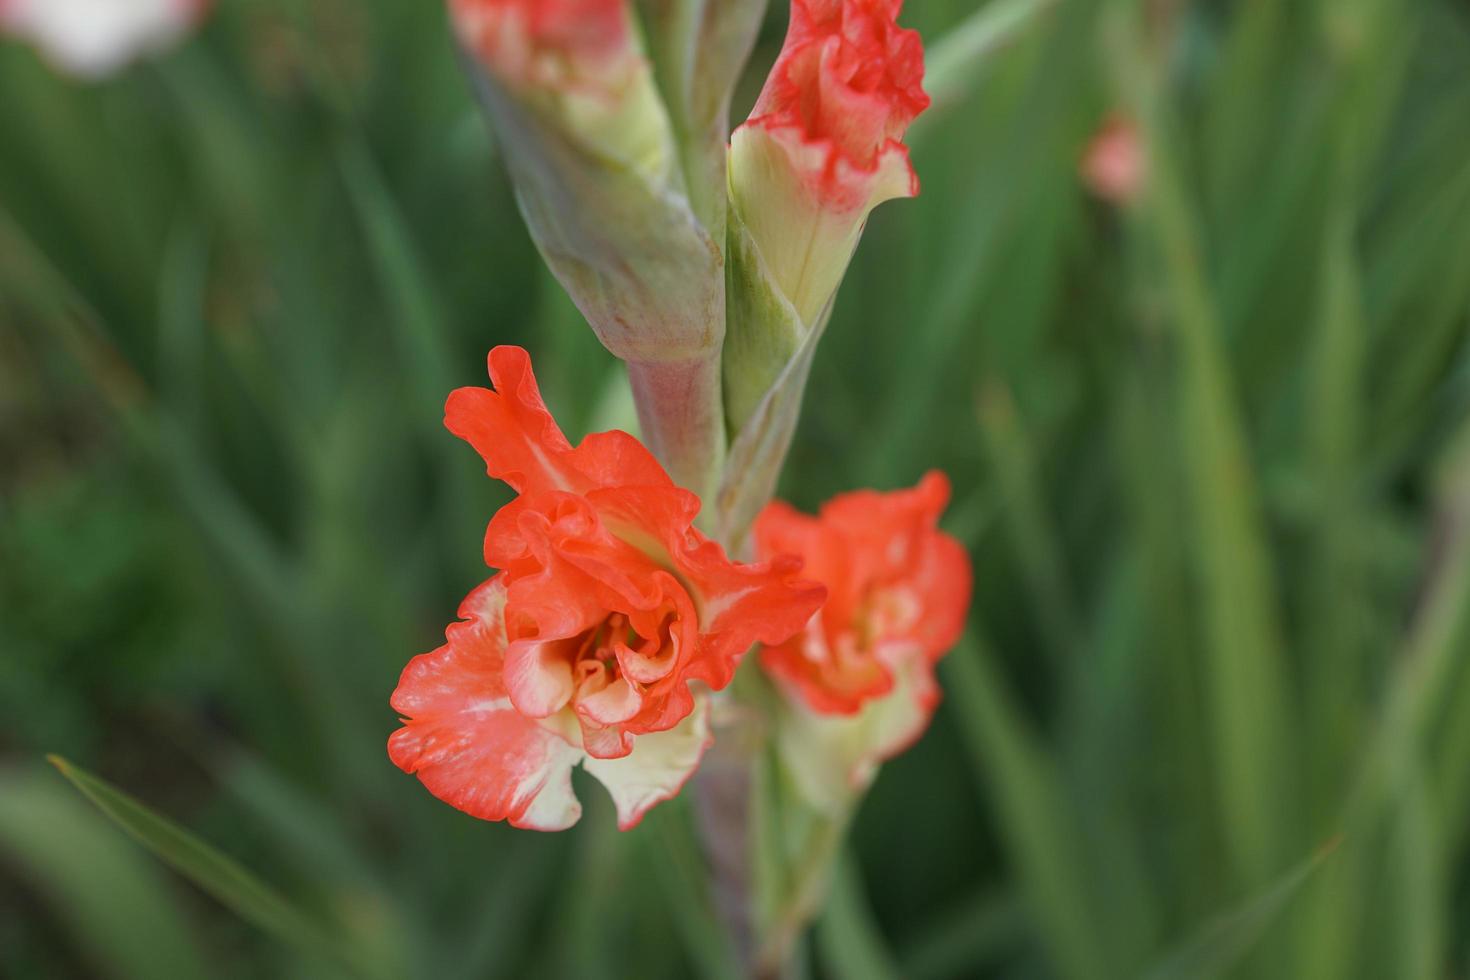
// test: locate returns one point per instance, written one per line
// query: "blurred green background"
(1211, 455)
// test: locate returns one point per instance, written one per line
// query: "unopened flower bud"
(599, 178)
(823, 146)
(576, 64)
(820, 151)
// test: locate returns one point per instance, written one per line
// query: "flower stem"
(682, 418)
(804, 894)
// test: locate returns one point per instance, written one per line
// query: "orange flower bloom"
(861, 676)
(608, 606)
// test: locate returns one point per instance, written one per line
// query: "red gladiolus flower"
(861, 676)
(609, 605)
(550, 43)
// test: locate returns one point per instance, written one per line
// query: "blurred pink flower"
(1114, 166)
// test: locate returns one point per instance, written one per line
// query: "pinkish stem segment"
(680, 413)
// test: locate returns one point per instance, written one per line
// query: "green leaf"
(1417, 883)
(971, 932)
(848, 938)
(220, 876)
(1247, 687)
(1220, 944)
(673, 853)
(956, 62)
(1032, 809)
(418, 316)
(1033, 531)
(1419, 686)
(491, 943)
(699, 49)
(118, 906)
(768, 358)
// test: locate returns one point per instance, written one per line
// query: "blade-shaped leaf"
(1031, 806)
(1220, 944)
(699, 48)
(217, 874)
(111, 898)
(957, 61)
(848, 937)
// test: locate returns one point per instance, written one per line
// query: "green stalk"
(804, 894)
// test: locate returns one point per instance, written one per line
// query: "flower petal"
(538, 675)
(653, 660)
(467, 670)
(464, 739)
(894, 537)
(826, 556)
(613, 704)
(888, 530)
(541, 41)
(830, 680)
(739, 604)
(657, 768)
(945, 582)
(847, 74)
(566, 573)
(822, 147)
(521, 443)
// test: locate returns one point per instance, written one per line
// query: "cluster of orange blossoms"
(612, 620)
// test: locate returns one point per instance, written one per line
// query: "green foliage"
(126, 918)
(1209, 450)
(223, 878)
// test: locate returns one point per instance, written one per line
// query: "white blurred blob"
(94, 38)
